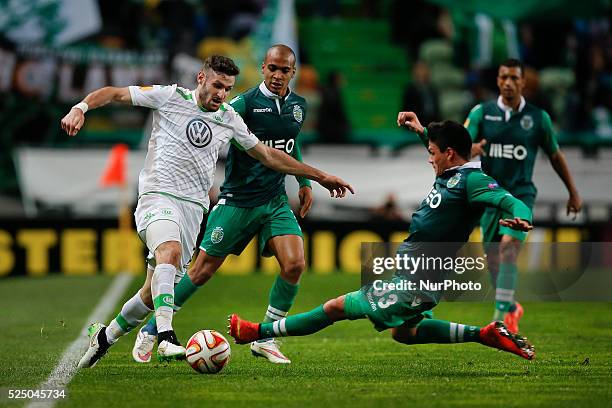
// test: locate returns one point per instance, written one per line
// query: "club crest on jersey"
(298, 115)
(198, 133)
(527, 122)
(453, 181)
(217, 235)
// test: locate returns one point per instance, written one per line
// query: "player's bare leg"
(289, 251)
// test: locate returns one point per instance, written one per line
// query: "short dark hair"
(450, 134)
(513, 63)
(221, 65)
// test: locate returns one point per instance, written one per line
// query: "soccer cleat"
(143, 346)
(243, 331)
(496, 335)
(512, 318)
(169, 347)
(98, 346)
(269, 349)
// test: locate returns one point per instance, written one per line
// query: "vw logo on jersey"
(198, 133)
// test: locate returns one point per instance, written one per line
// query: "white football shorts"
(161, 218)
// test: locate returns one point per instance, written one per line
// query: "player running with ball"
(189, 128)
(460, 193)
(253, 202)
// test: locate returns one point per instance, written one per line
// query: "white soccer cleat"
(167, 351)
(98, 345)
(143, 346)
(269, 350)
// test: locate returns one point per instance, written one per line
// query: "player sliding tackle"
(189, 128)
(462, 191)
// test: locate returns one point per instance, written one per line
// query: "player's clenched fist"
(73, 121)
(411, 121)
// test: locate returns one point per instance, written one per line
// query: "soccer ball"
(208, 351)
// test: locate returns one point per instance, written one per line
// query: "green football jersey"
(276, 122)
(512, 144)
(449, 213)
(455, 203)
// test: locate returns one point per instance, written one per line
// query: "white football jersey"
(185, 142)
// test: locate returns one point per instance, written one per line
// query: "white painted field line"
(67, 366)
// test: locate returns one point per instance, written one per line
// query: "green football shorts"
(489, 222)
(229, 229)
(387, 308)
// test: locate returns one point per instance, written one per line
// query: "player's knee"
(334, 309)
(403, 335)
(292, 270)
(168, 253)
(509, 250)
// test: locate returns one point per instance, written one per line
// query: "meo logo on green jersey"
(508, 151)
(286, 145)
(433, 198)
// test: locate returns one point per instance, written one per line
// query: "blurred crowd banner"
(65, 75)
(38, 247)
(52, 22)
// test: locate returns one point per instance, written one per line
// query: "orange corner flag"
(115, 172)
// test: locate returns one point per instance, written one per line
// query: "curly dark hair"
(221, 65)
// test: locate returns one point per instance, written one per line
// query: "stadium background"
(360, 62)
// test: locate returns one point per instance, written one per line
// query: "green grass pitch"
(348, 364)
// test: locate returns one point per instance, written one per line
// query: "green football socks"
(504, 292)
(297, 325)
(441, 331)
(282, 295)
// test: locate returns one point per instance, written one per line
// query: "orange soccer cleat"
(241, 330)
(496, 335)
(512, 318)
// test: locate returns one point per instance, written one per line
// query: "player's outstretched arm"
(283, 163)
(483, 190)
(559, 163)
(73, 121)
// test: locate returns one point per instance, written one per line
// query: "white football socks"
(133, 312)
(162, 289)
